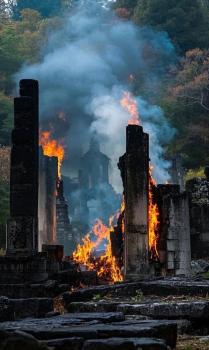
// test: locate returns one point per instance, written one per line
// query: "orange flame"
(130, 105)
(106, 265)
(153, 219)
(52, 148)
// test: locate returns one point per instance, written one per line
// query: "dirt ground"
(192, 343)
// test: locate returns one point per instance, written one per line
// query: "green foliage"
(20, 42)
(5, 119)
(96, 297)
(186, 22)
(139, 296)
(46, 8)
(4, 211)
(195, 173)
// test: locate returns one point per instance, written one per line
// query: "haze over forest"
(178, 85)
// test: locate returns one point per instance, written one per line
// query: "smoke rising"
(84, 71)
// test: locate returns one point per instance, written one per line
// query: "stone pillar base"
(16, 269)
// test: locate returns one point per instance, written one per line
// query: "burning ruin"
(52, 148)
(149, 238)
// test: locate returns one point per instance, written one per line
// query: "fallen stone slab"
(32, 307)
(105, 317)
(166, 330)
(125, 344)
(64, 321)
(65, 344)
(169, 310)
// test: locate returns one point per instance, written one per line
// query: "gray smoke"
(84, 70)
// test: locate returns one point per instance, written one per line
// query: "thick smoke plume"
(84, 70)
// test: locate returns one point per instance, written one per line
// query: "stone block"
(35, 307)
(65, 344)
(6, 310)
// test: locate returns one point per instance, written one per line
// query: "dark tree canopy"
(186, 21)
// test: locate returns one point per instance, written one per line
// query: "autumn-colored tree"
(186, 104)
(192, 79)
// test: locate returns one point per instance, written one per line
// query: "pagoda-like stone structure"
(22, 261)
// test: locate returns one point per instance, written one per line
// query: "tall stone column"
(134, 166)
(22, 228)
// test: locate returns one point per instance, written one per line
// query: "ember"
(52, 148)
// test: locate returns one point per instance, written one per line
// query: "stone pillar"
(22, 262)
(134, 166)
(47, 199)
(174, 245)
(22, 228)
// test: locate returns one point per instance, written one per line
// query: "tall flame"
(106, 265)
(52, 148)
(130, 105)
(153, 218)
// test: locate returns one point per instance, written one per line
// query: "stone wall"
(198, 189)
(174, 244)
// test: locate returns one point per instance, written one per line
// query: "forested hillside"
(25, 26)
(185, 95)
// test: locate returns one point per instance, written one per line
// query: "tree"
(192, 79)
(20, 41)
(47, 8)
(5, 119)
(186, 104)
(125, 8)
(186, 22)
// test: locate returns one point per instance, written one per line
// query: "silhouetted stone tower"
(22, 230)
(22, 261)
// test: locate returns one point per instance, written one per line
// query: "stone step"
(107, 344)
(159, 287)
(66, 327)
(191, 310)
(21, 340)
(91, 306)
(125, 344)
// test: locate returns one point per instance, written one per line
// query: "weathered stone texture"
(198, 189)
(47, 199)
(174, 242)
(22, 230)
(134, 166)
